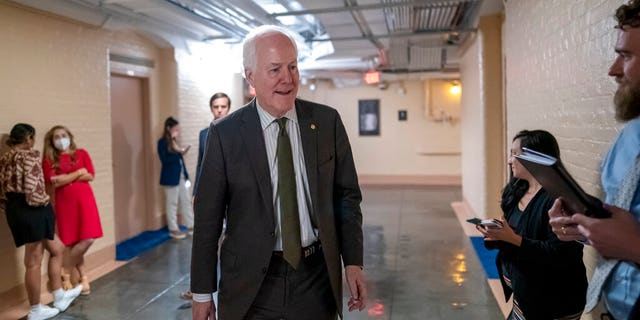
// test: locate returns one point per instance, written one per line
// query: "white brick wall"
(557, 57)
(197, 82)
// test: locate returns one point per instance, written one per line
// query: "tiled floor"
(419, 265)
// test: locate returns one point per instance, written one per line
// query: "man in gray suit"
(280, 170)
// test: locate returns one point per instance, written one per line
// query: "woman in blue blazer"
(175, 179)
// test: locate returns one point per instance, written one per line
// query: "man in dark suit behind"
(280, 170)
(220, 104)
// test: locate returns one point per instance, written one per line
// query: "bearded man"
(616, 278)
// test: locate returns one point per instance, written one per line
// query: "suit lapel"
(309, 135)
(252, 135)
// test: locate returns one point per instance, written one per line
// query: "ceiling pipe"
(315, 28)
(239, 27)
(362, 24)
(472, 13)
(399, 35)
(428, 3)
(337, 64)
(223, 27)
(136, 20)
(258, 16)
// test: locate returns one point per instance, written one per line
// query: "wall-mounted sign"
(402, 115)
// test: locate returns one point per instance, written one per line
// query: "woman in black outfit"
(546, 276)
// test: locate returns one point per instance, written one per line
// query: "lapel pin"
(313, 126)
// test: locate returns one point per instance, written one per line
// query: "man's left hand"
(616, 237)
(357, 288)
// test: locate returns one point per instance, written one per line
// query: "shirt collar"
(266, 119)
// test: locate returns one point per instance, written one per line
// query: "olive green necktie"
(289, 219)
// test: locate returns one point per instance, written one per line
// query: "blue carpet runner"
(487, 257)
(147, 240)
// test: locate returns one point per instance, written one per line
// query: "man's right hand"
(203, 310)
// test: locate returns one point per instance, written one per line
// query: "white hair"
(249, 44)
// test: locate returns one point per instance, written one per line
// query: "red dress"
(77, 216)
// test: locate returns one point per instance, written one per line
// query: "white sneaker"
(177, 235)
(41, 312)
(63, 302)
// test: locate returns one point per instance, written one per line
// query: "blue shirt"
(623, 286)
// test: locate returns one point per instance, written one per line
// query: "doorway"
(130, 155)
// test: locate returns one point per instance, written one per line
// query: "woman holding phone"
(175, 179)
(545, 275)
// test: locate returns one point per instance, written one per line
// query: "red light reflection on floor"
(377, 309)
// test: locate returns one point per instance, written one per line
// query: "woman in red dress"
(69, 170)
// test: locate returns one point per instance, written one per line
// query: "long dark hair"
(538, 140)
(168, 124)
(20, 133)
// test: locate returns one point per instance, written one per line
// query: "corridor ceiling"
(336, 38)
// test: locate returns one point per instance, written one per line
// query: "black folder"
(555, 179)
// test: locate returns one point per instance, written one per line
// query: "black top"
(547, 275)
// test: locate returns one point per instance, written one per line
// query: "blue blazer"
(172, 165)
(202, 143)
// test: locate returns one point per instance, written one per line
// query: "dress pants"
(178, 196)
(302, 294)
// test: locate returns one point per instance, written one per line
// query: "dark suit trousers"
(299, 294)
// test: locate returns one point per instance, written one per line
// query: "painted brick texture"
(557, 58)
(57, 72)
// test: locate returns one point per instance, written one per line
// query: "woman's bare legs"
(32, 261)
(56, 250)
(75, 263)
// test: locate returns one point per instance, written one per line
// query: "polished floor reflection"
(418, 262)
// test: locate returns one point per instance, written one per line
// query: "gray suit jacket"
(235, 183)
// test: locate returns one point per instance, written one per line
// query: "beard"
(627, 102)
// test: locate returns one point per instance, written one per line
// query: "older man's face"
(275, 77)
(626, 71)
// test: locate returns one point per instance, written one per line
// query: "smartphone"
(489, 223)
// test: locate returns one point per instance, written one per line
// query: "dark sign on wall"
(402, 115)
(369, 117)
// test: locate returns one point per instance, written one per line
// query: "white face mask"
(62, 144)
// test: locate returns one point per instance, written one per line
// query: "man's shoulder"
(629, 138)
(631, 130)
(316, 108)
